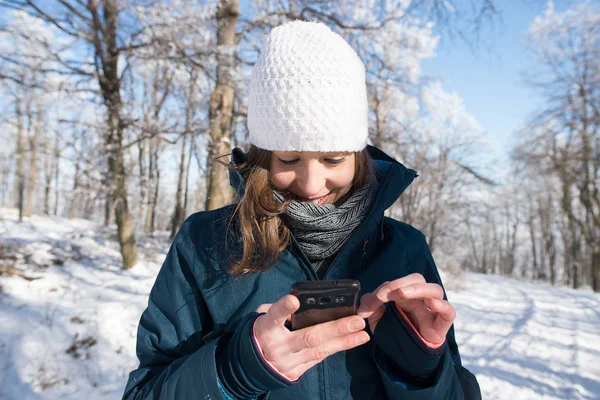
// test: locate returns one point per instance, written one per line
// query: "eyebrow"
(326, 153)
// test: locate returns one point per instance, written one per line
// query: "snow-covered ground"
(69, 333)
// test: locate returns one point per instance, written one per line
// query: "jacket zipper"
(306, 264)
(325, 379)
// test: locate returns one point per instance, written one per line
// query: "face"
(313, 176)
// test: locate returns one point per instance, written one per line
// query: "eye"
(288, 162)
(335, 161)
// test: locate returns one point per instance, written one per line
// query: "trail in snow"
(529, 340)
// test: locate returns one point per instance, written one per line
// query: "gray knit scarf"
(321, 231)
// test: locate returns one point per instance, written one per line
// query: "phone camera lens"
(325, 300)
(339, 299)
(311, 300)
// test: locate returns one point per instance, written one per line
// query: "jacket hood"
(393, 178)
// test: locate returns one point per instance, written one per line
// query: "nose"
(311, 180)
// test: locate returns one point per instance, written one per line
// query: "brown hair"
(257, 214)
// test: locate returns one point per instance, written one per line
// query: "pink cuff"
(428, 344)
(262, 355)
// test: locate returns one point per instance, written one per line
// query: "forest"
(119, 112)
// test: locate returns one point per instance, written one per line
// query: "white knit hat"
(308, 92)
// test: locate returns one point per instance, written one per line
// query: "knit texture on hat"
(308, 92)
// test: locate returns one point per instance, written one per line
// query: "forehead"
(311, 154)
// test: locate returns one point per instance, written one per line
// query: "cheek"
(344, 179)
(281, 180)
(277, 176)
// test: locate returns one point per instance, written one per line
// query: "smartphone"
(322, 301)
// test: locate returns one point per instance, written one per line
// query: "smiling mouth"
(319, 201)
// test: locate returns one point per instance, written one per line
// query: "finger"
(279, 312)
(317, 335)
(263, 308)
(335, 345)
(396, 284)
(444, 310)
(429, 308)
(417, 291)
(341, 344)
(380, 286)
(369, 303)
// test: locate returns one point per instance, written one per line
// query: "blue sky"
(491, 80)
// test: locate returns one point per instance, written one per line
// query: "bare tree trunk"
(484, 254)
(108, 206)
(496, 251)
(589, 194)
(575, 256)
(187, 177)
(74, 192)
(155, 202)
(436, 199)
(56, 166)
(541, 275)
(152, 185)
(149, 189)
(123, 218)
(143, 180)
(572, 250)
(33, 162)
(510, 237)
(107, 57)
(548, 240)
(531, 223)
(47, 179)
(476, 265)
(179, 213)
(20, 175)
(6, 163)
(221, 106)
(379, 108)
(157, 95)
(513, 248)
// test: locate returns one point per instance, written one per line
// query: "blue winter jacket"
(194, 339)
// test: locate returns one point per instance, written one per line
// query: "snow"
(528, 340)
(71, 333)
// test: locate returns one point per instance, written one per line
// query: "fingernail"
(362, 312)
(407, 289)
(383, 292)
(356, 325)
(362, 339)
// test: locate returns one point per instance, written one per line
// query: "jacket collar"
(393, 178)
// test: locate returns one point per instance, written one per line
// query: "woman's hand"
(422, 302)
(292, 353)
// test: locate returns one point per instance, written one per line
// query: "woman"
(312, 198)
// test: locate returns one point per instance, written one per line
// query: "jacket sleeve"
(182, 353)
(410, 369)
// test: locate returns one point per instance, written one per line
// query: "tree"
(96, 25)
(564, 136)
(221, 104)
